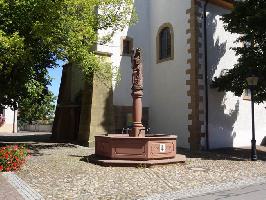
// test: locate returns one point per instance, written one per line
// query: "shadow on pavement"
(34, 141)
(234, 154)
(38, 138)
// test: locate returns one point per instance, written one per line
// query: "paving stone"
(59, 172)
(7, 191)
(21, 187)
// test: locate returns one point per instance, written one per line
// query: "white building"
(171, 36)
(10, 125)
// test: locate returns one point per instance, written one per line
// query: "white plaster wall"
(229, 116)
(9, 115)
(140, 34)
(8, 125)
(165, 90)
(168, 96)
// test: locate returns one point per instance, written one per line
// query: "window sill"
(164, 60)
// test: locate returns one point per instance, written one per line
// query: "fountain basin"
(123, 147)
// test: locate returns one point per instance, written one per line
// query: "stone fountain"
(137, 147)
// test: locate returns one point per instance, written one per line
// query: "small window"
(165, 43)
(126, 46)
(247, 94)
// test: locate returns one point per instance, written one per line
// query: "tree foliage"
(248, 20)
(31, 110)
(36, 33)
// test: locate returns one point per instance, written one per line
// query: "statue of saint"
(137, 76)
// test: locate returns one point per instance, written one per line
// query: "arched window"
(165, 43)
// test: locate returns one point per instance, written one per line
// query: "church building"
(184, 46)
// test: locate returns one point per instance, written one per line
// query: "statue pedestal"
(120, 149)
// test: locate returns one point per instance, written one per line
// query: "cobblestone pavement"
(61, 172)
(257, 191)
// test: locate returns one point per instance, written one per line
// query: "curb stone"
(22, 187)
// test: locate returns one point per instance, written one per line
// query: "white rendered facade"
(229, 115)
(165, 88)
(10, 124)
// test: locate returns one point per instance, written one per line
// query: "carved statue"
(137, 76)
(138, 130)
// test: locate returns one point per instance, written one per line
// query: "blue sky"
(55, 74)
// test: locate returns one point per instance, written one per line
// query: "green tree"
(36, 33)
(31, 111)
(248, 20)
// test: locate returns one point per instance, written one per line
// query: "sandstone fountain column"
(136, 148)
(138, 130)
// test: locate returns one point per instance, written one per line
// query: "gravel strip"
(58, 172)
